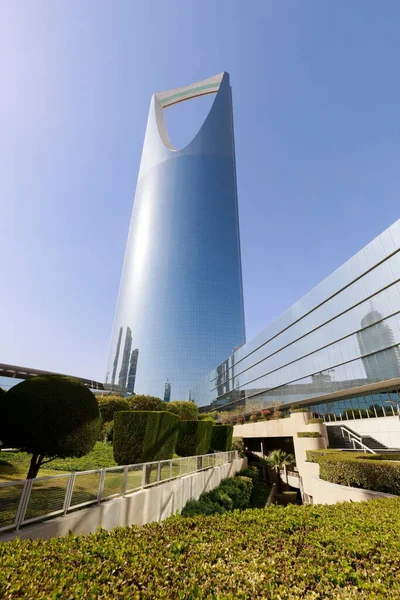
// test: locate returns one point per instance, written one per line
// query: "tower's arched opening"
(184, 119)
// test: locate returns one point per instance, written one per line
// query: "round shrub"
(108, 405)
(146, 403)
(185, 410)
(49, 416)
(207, 417)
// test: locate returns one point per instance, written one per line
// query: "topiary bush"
(146, 436)
(308, 434)
(185, 410)
(49, 417)
(194, 438)
(147, 403)
(221, 438)
(207, 417)
(108, 405)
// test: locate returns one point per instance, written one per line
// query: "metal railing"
(356, 439)
(30, 500)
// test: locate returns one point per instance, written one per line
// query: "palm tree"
(277, 459)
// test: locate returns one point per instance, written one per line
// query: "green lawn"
(48, 495)
(15, 465)
(348, 551)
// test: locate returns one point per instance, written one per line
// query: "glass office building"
(336, 350)
(180, 304)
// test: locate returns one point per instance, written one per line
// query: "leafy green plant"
(357, 470)
(146, 403)
(232, 493)
(251, 472)
(276, 460)
(108, 405)
(221, 438)
(315, 420)
(185, 410)
(285, 498)
(49, 417)
(146, 436)
(347, 551)
(207, 417)
(238, 445)
(300, 409)
(308, 434)
(109, 432)
(194, 438)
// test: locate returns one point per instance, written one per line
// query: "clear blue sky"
(316, 105)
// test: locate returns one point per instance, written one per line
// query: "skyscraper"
(180, 296)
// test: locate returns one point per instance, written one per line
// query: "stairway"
(337, 440)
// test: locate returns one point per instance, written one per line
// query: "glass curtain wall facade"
(180, 304)
(343, 335)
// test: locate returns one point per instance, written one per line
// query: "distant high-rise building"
(167, 392)
(376, 334)
(181, 285)
(132, 371)
(116, 357)
(123, 374)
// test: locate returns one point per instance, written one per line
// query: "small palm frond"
(279, 459)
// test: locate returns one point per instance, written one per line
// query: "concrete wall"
(151, 504)
(323, 492)
(279, 427)
(384, 429)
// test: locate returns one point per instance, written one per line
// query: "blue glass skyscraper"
(180, 303)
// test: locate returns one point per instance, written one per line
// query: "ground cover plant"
(14, 465)
(355, 469)
(231, 493)
(343, 552)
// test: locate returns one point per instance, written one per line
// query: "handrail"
(24, 504)
(356, 439)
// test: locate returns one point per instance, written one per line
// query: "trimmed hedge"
(354, 470)
(315, 420)
(194, 438)
(308, 434)
(221, 438)
(144, 436)
(346, 551)
(299, 410)
(232, 493)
